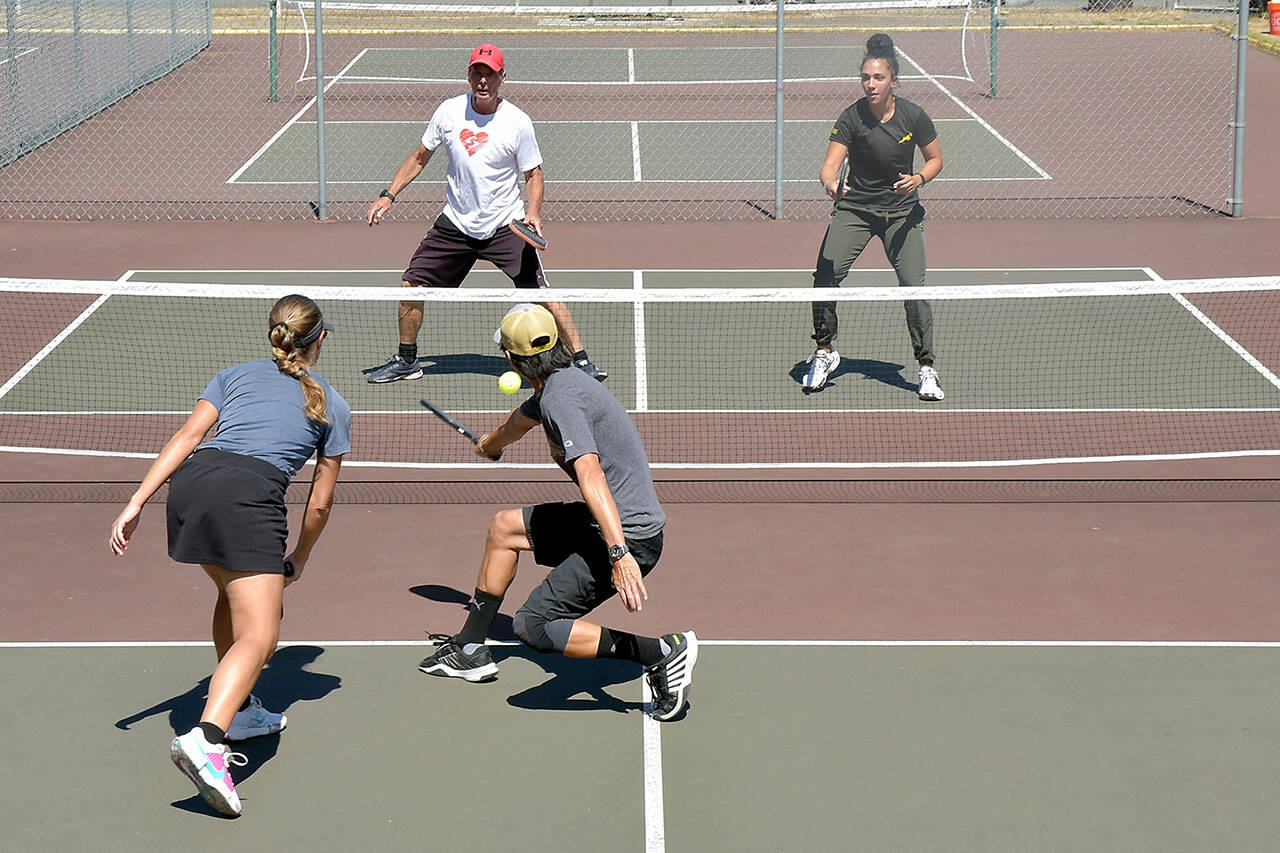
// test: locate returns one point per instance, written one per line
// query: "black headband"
(312, 335)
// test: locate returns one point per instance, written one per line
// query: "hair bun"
(880, 45)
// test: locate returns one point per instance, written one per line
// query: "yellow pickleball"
(509, 382)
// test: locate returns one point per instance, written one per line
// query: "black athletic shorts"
(446, 255)
(564, 536)
(227, 510)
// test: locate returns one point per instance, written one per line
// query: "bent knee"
(531, 629)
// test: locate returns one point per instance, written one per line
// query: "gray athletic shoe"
(454, 661)
(670, 678)
(396, 368)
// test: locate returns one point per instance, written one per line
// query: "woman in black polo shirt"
(878, 136)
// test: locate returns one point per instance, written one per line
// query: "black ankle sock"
(482, 608)
(409, 352)
(212, 733)
(624, 646)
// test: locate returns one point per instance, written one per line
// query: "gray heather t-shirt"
(581, 416)
(261, 413)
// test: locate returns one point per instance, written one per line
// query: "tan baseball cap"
(527, 329)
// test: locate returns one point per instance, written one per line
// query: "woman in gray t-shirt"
(877, 136)
(226, 512)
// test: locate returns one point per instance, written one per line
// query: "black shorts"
(446, 255)
(564, 536)
(227, 510)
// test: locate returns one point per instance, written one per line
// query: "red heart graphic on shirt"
(473, 142)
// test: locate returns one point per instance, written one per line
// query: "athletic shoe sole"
(417, 374)
(209, 793)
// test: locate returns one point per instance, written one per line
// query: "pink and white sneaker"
(255, 721)
(209, 767)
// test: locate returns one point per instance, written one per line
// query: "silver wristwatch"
(617, 552)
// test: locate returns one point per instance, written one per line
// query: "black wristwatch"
(617, 552)
(387, 194)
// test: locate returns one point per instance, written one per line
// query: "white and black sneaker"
(930, 389)
(822, 364)
(471, 662)
(395, 369)
(669, 678)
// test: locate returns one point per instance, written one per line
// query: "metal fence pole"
(777, 116)
(11, 48)
(273, 8)
(1237, 158)
(321, 212)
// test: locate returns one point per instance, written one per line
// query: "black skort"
(227, 510)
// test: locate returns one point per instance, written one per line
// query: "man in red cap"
(490, 144)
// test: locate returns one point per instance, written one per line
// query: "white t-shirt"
(487, 155)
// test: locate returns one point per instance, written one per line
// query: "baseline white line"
(642, 357)
(655, 824)
(922, 412)
(962, 105)
(290, 123)
(631, 65)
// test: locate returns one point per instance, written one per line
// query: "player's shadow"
(574, 685)
(867, 368)
(464, 362)
(501, 628)
(284, 681)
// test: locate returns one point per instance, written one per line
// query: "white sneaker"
(209, 767)
(929, 387)
(255, 721)
(821, 365)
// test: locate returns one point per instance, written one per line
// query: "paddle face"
(526, 233)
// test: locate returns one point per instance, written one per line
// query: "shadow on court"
(284, 680)
(466, 362)
(886, 372)
(574, 685)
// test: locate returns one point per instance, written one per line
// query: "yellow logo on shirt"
(833, 130)
(906, 138)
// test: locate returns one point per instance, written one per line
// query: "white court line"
(655, 824)
(1221, 334)
(21, 52)
(962, 105)
(924, 412)
(642, 358)
(635, 157)
(290, 123)
(631, 65)
(58, 339)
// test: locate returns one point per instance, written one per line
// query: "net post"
(321, 212)
(273, 10)
(1237, 157)
(777, 114)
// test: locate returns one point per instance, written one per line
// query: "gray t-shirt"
(261, 413)
(581, 416)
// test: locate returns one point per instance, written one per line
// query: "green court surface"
(1097, 349)
(787, 747)
(368, 152)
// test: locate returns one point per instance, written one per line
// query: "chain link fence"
(1119, 108)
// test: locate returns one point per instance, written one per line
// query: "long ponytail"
(293, 319)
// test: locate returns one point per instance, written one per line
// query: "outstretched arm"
(178, 449)
(409, 169)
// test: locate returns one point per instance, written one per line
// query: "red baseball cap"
(486, 54)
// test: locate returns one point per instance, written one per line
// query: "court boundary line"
(296, 121)
(56, 341)
(655, 824)
(1221, 334)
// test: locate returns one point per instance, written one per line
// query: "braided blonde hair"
(292, 318)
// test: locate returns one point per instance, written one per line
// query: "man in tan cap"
(605, 544)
